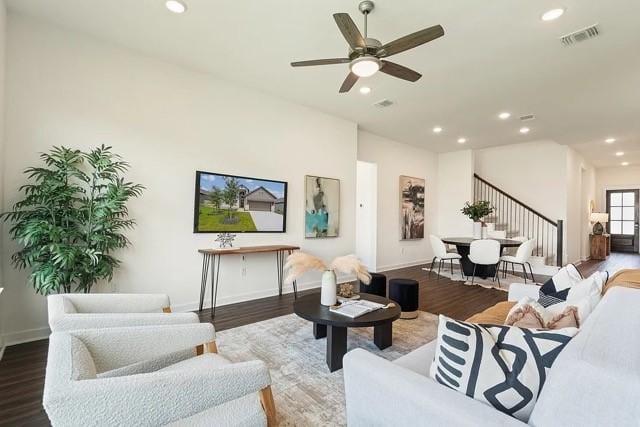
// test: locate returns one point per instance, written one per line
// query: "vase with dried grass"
(300, 263)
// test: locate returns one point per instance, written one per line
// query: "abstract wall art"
(411, 208)
(322, 207)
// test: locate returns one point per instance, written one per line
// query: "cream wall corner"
(395, 159)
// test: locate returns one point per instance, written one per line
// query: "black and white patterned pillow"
(549, 300)
(556, 289)
(502, 366)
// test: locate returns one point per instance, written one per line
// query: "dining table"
(463, 245)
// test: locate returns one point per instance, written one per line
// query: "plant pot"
(329, 289)
(477, 230)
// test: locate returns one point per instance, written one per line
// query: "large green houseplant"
(72, 218)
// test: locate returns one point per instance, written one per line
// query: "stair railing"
(517, 218)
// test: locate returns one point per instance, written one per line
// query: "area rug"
(305, 392)
(479, 281)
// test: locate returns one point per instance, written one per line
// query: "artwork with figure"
(322, 207)
(411, 208)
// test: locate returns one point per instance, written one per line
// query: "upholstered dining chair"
(485, 252)
(520, 258)
(152, 376)
(85, 311)
(441, 255)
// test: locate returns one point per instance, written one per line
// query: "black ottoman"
(377, 286)
(406, 293)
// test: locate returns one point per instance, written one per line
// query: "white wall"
(367, 214)
(3, 17)
(534, 173)
(455, 188)
(168, 122)
(395, 159)
(580, 190)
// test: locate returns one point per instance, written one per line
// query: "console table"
(211, 261)
(600, 246)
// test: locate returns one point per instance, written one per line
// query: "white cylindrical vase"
(329, 290)
(477, 230)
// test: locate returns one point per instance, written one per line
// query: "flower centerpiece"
(300, 263)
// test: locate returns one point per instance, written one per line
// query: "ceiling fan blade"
(399, 71)
(412, 40)
(348, 83)
(321, 62)
(349, 30)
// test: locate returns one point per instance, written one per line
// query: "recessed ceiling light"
(176, 6)
(610, 140)
(620, 153)
(625, 163)
(462, 140)
(553, 14)
(524, 130)
(504, 116)
(365, 90)
(437, 129)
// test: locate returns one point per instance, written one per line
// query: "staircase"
(518, 219)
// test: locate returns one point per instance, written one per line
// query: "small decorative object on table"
(476, 212)
(225, 240)
(599, 218)
(300, 263)
(346, 293)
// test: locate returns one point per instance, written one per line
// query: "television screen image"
(238, 204)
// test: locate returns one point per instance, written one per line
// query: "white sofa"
(84, 311)
(151, 376)
(593, 382)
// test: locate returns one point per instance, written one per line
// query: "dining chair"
(441, 254)
(485, 252)
(512, 251)
(520, 258)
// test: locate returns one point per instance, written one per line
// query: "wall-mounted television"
(239, 204)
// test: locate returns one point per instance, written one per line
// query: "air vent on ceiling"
(527, 117)
(383, 103)
(580, 35)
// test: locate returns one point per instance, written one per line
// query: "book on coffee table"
(355, 309)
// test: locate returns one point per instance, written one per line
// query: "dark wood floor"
(23, 366)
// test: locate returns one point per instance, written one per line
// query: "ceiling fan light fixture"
(365, 66)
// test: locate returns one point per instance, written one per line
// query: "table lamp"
(599, 218)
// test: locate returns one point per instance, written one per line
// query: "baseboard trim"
(28, 335)
(249, 296)
(402, 265)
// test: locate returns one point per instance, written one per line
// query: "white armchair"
(85, 311)
(151, 376)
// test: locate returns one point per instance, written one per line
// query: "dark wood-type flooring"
(22, 368)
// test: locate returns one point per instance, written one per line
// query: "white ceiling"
(496, 55)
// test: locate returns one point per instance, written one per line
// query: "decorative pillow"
(558, 286)
(502, 366)
(528, 313)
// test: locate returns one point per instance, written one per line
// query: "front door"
(622, 207)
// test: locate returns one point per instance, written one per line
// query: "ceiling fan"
(365, 54)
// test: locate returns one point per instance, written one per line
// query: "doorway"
(622, 207)
(367, 214)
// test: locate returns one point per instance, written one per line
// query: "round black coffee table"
(334, 326)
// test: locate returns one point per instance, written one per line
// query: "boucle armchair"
(151, 376)
(86, 311)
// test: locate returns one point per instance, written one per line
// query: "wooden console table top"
(249, 250)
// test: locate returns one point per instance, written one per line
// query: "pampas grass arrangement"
(300, 263)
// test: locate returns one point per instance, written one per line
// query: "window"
(622, 213)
